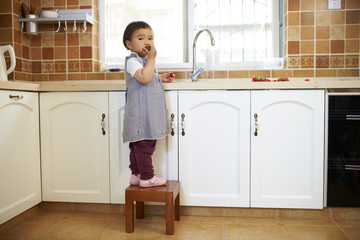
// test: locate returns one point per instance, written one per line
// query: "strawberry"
(148, 48)
(307, 80)
(172, 74)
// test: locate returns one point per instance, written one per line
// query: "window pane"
(242, 29)
(165, 18)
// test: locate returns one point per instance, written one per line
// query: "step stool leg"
(177, 207)
(170, 215)
(139, 210)
(129, 213)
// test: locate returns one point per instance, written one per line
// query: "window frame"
(188, 39)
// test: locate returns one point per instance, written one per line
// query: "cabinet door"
(165, 160)
(74, 148)
(287, 153)
(214, 148)
(20, 187)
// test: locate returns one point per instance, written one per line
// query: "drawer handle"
(16, 97)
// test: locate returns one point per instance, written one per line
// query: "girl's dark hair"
(131, 28)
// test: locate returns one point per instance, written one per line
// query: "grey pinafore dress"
(145, 116)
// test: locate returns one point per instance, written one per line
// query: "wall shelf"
(65, 16)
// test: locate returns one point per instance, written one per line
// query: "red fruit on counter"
(172, 74)
(307, 80)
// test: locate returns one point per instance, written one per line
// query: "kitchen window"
(246, 32)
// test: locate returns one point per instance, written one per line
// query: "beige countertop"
(183, 84)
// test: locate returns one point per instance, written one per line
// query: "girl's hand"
(167, 77)
(152, 52)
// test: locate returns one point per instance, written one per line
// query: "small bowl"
(49, 14)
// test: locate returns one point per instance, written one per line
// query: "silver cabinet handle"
(16, 97)
(352, 117)
(352, 167)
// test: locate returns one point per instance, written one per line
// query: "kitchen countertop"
(185, 84)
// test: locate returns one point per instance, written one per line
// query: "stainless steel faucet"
(195, 73)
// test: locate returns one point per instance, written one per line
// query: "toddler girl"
(145, 118)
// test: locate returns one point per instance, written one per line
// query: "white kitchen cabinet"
(20, 187)
(287, 154)
(214, 148)
(165, 158)
(75, 146)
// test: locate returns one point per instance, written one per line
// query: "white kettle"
(3, 71)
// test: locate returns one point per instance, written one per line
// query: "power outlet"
(334, 4)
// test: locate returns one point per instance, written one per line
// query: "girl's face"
(140, 39)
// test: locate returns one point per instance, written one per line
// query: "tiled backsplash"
(324, 42)
(318, 43)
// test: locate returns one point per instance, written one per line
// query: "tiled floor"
(56, 225)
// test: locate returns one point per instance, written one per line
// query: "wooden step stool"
(168, 194)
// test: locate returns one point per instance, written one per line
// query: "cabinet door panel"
(287, 153)
(74, 150)
(214, 152)
(165, 161)
(20, 187)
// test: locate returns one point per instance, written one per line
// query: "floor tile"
(353, 232)
(198, 231)
(253, 232)
(73, 228)
(32, 227)
(314, 232)
(348, 223)
(143, 229)
(306, 222)
(251, 221)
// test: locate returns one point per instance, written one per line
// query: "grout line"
(341, 229)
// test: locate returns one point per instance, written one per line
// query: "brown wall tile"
(36, 41)
(294, 5)
(57, 77)
(293, 34)
(5, 20)
(36, 67)
(337, 17)
(322, 61)
(73, 66)
(337, 61)
(73, 39)
(281, 73)
(307, 5)
(352, 61)
(353, 17)
(239, 74)
(303, 73)
(326, 73)
(307, 18)
(72, 2)
(293, 47)
(48, 67)
(121, 76)
(60, 66)
(77, 76)
(352, 31)
(217, 74)
(352, 4)
(337, 46)
(95, 76)
(5, 6)
(293, 18)
(85, 52)
(86, 66)
(323, 46)
(307, 32)
(321, 4)
(294, 62)
(60, 39)
(73, 52)
(322, 18)
(348, 72)
(36, 53)
(260, 73)
(322, 32)
(352, 46)
(307, 61)
(6, 36)
(337, 32)
(60, 53)
(307, 47)
(48, 53)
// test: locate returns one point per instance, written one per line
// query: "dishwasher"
(343, 165)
